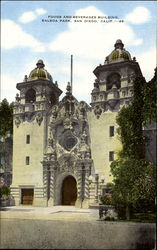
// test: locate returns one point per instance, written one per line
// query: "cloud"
(90, 43)
(8, 87)
(83, 77)
(93, 40)
(13, 36)
(40, 11)
(138, 16)
(138, 42)
(147, 62)
(29, 16)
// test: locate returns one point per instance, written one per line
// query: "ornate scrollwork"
(39, 118)
(97, 111)
(54, 112)
(67, 124)
(17, 122)
(66, 166)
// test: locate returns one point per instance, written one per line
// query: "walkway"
(67, 227)
(69, 213)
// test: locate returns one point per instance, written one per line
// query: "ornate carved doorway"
(69, 191)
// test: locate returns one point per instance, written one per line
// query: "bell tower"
(38, 94)
(114, 80)
(113, 88)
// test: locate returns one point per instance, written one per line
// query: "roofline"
(20, 85)
(100, 68)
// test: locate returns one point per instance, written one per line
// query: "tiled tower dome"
(119, 54)
(39, 72)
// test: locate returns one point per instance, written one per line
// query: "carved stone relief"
(39, 118)
(97, 111)
(17, 122)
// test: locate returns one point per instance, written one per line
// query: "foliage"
(149, 98)
(144, 217)
(106, 200)
(130, 120)
(134, 183)
(4, 191)
(134, 176)
(6, 118)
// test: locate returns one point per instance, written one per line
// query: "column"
(51, 187)
(45, 181)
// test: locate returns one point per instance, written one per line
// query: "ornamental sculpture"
(39, 118)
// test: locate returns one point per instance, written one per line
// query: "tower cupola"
(40, 72)
(119, 54)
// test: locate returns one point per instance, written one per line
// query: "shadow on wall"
(146, 238)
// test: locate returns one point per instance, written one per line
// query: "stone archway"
(69, 191)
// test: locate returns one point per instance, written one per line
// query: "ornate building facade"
(62, 150)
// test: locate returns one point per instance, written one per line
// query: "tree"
(134, 176)
(130, 120)
(149, 100)
(6, 118)
(134, 183)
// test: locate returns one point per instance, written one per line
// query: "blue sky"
(25, 39)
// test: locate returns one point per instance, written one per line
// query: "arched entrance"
(69, 191)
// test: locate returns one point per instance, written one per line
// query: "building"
(62, 150)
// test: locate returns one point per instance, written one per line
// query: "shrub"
(4, 191)
(106, 200)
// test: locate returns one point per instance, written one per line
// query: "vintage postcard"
(70, 170)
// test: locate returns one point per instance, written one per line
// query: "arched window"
(30, 96)
(113, 79)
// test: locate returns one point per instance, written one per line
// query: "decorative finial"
(17, 97)
(68, 88)
(40, 64)
(25, 78)
(56, 83)
(119, 44)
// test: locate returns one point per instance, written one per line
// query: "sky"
(27, 35)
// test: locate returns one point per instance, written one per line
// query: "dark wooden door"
(69, 191)
(27, 196)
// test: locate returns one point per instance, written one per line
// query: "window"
(111, 156)
(111, 131)
(27, 139)
(30, 96)
(27, 160)
(113, 79)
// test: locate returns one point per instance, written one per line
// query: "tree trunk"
(128, 212)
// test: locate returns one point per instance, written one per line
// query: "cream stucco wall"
(28, 174)
(102, 143)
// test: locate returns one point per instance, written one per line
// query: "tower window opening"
(27, 139)
(111, 156)
(113, 79)
(111, 131)
(30, 96)
(27, 160)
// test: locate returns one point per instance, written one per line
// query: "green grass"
(139, 217)
(144, 217)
